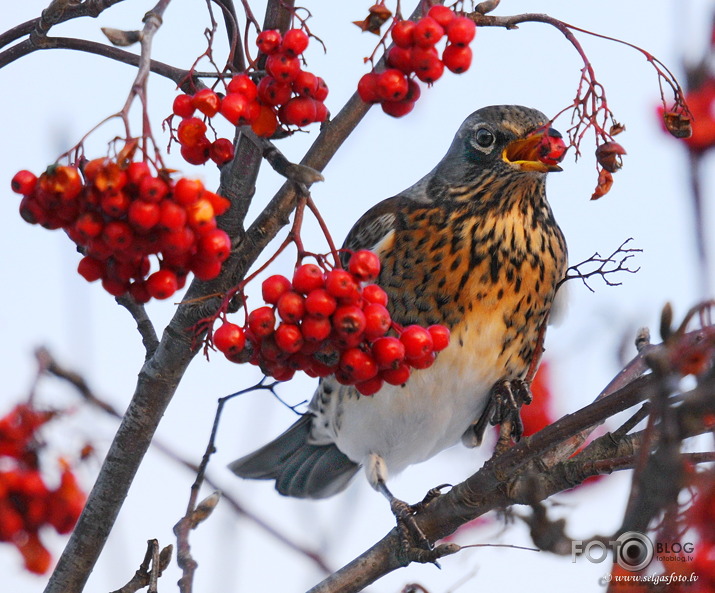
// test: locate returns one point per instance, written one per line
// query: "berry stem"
(591, 103)
(326, 231)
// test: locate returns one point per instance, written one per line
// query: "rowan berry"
(191, 131)
(321, 93)
(298, 111)
(340, 283)
(367, 88)
(143, 215)
(272, 92)
(349, 321)
(417, 341)
(442, 14)
(197, 154)
(183, 106)
(320, 303)
(396, 376)
(372, 293)
(269, 41)
(370, 387)
(305, 83)
(308, 277)
(392, 85)
(377, 321)
(229, 339)
(457, 58)
(274, 287)
(162, 284)
(358, 365)
(205, 269)
(315, 329)
(221, 151)
(440, 337)
(461, 30)
(187, 191)
(291, 307)
(266, 124)
(239, 110)
(171, 215)
(90, 269)
(295, 42)
(23, 182)
(89, 225)
(401, 59)
(207, 102)
(200, 216)
(262, 321)
(289, 338)
(388, 352)
(427, 32)
(242, 84)
(402, 33)
(214, 245)
(283, 67)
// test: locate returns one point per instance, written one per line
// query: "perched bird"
(474, 246)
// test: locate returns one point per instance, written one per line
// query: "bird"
(473, 245)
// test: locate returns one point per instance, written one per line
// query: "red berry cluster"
(331, 323)
(27, 503)
(120, 215)
(415, 54)
(287, 94)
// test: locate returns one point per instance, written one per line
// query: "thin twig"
(618, 261)
(182, 529)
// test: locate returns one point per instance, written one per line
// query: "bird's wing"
(377, 225)
(374, 231)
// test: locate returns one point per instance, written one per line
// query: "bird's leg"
(508, 397)
(413, 541)
(410, 532)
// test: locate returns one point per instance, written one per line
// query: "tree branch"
(162, 373)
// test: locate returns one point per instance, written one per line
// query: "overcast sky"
(52, 98)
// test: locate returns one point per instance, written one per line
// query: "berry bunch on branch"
(119, 214)
(414, 55)
(332, 322)
(28, 505)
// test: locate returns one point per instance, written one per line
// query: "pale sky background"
(52, 98)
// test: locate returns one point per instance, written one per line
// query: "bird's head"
(503, 139)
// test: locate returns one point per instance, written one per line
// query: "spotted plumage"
(473, 245)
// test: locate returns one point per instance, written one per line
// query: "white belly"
(409, 424)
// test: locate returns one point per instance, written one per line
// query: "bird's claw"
(432, 493)
(508, 396)
(404, 513)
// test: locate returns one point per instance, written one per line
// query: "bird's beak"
(540, 150)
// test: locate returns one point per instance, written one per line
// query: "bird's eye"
(484, 138)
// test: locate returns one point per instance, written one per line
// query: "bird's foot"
(411, 536)
(414, 544)
(508, 397)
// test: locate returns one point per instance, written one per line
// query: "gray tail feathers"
(300, 469)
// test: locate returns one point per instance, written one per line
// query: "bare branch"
(605, 266)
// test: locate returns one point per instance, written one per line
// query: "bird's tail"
(300, 469)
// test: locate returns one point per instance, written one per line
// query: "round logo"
(634, 551)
